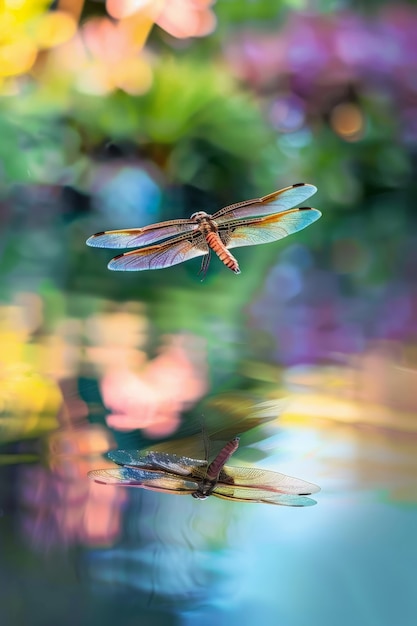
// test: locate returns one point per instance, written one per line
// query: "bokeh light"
(120, 114)
(347, 121)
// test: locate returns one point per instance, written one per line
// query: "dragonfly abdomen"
(224, 455)
(222, 252)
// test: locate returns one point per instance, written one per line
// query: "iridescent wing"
(275, 202)
(162, 255)
(264, 480)
(135, 237)
(166, 483)
(155, 481)
(242, 494)
(251, 232)
(180, 465)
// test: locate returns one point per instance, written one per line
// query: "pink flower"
(155, 398)
(179, 18)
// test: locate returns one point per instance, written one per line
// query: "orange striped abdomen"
(222, 458)
(222, 252)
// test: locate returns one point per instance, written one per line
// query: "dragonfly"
(248, 223)
(181, 475)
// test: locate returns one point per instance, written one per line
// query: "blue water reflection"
(300, 583)
(177, 563)
(215, 560)
(230, 563)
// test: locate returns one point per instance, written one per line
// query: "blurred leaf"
(237, 11)
(13, 459)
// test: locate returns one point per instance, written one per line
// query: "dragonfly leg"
(204, 265)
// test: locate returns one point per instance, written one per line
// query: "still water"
(290, 363)
(78, 552)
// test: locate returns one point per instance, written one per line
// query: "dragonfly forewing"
(132, 477)
(182, 465)
(135, 237)
(275, 202)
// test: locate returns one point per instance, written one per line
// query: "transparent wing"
(265, 480)
(161, 255)
(155, 481)
(134, 237)
(182, 465)
(243, 494)
(238, 233)
(275, 202)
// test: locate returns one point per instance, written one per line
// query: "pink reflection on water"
(155, 398)
(59, 505)
(70, 510)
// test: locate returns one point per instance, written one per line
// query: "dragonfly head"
(199, 496)
(199, 216)
(205, 489)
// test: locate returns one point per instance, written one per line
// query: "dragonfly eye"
(197, 217)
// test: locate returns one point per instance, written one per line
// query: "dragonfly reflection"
(181, 475)
(247, 223)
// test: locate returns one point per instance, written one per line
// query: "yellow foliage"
(27, 26)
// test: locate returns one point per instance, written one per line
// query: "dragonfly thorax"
(205, 489)
(205, 223)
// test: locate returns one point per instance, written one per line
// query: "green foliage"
(192, 114)
(238, 11)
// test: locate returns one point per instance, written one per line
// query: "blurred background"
(120, 113)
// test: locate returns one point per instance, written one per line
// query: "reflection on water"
(155, 399)
(29, 398)
(349, 426)
(79, 378)
(170, 562)
(380, 380)
(57, 506)
(201, 478)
